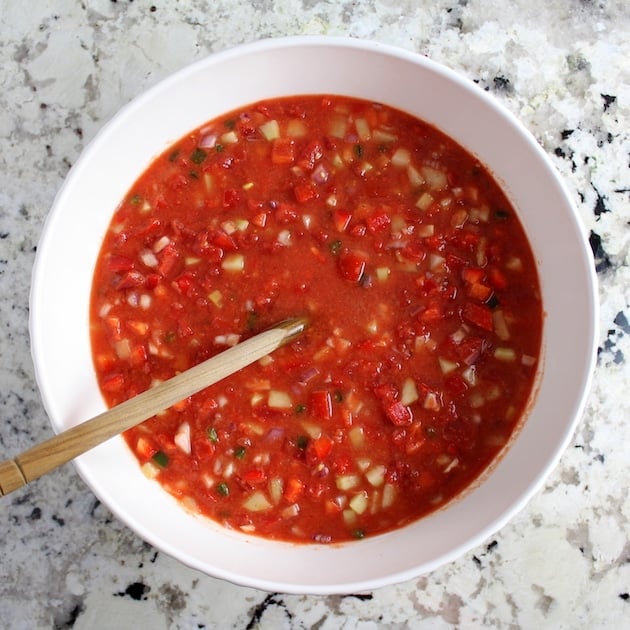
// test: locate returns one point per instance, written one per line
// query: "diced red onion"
(320, 174)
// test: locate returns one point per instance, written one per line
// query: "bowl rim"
(501, 517)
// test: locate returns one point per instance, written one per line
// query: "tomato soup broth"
(419, 284)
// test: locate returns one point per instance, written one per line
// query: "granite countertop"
(562, 66)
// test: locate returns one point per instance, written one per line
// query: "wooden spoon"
(41, 459)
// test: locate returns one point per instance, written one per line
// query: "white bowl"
(82, 211)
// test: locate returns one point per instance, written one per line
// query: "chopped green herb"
(161, 459)
(239, 452)
(223, 489)
(230, 123)
(301, 408)
(338, 396)
(213, 436)
(173, 156)
(193, 175)
(198, 156)
(170, 336)
(493, 301)
(335, 247)
(301, 442)
(218, 147)
(135, 200)
(501, 215)
(358, 534)
(430, 432)
(358, 150)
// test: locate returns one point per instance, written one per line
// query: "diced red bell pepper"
(294, 488)
(320, 404)
(319, 449)
(254, 476)
(478, 315)
(352, 265)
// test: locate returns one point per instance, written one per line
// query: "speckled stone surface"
(562, 66)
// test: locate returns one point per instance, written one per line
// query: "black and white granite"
(562, 66)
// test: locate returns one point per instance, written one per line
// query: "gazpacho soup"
(417, 279)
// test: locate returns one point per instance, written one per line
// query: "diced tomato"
(414, 251)
(113, 382)
(254, 476)
(311, 155)
(341, 219)
(231, 198)
(497, 278)
(185, 284)
(304, 191)
(118, 264)
(473, 275)
(224, 241)
(469, 350)
(113, 327)
(180, 405)
(104, 362)
(320, 404)
(177, 181)
(378, 222)
(283, 151)
(352, 265)
(478, 314)
(131, 280)
(138, 355)
(386, 392)
(260, 219)
(152, 281)
(341, 463)
(432, 313)
(479, 292)
(359, 229)
(455, 384)
(285, 213)
(294, 488)
(167, 260)
(399, 414)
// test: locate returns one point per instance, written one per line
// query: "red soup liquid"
(421, 291)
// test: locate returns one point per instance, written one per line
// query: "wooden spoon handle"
(58, 450)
